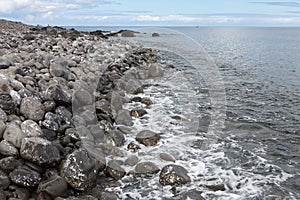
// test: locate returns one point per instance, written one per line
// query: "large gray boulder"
(147, 138)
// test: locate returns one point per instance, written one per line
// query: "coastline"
(63, 117)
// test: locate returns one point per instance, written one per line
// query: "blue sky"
(153, 13)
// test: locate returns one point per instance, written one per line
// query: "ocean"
(238, 90)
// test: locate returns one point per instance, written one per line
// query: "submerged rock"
(80, 170)
(147, 138)
(174, 175)
(146, 169)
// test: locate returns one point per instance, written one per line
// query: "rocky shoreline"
(63, 126)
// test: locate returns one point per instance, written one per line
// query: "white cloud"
(8, 6)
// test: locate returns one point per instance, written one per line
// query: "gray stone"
(114, 170)
(7, 149)
(133, 87)
(98, 134)
(4, 63)
(7, 103)
(52, 121)
(116, 101)
(4, 180)
(2, 128)
(110, 150)
(124, 118)
(32, 108)
(155, 71)
(3, 115)
(40, 151)
(127, 33)
(146, 169)
(82, 98)
(147, 138)
(133, 147)
(117, 136)
(55, 186)
(138, 112)
(61, 95)
(59, 68)
(80, 170)
(155, 34)
(146, 101)
(166, 157)
(14, 134)
(174, 175)
(9, 163)
(25, 176)
(31, 129)
(132, 160)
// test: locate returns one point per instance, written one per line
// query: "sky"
(153, 13)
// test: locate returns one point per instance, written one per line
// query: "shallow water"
(238, 91)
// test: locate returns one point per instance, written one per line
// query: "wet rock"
(117, 136)
(133, 87)
(52, 121)
(55, 186)
(174, 175)
(82, 98)
(2, 128)
(138, 112)
(49, 134)
(215, 187)
(110, 150)
(147, 138)
(108, 196)
(146, 169)
(32, 108)
(98, 156)
(155, 34)
(7, 149)
(25, 176)
(61, 95)
(80, 170)
(127, 33)
(4, 63)
(31, 129)
(3, 115)
(4, 180)
(43, 196)
(155, 71)
(22, 193)
(114, 170)
(40, 151)
(133, 147)
(49, 106)
(132, 160)
(146, 101)
(9, 163)
(7, 103)
(64, 114)
(124, 118)
(193, 195)
(136, 99)
(166, 157)
(98, 134)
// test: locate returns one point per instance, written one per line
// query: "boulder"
(40, 151)
(155, 70)
(80, 170)
(24, 176)
(114, 170)
(7, 103)
(7, 149)
(31, 129)
(59, 68)
(155, 34)
(32, 108)
(4, 63)
(147, 138)
(146, 169)
(14, 134)
(9, 163)
(55, 186)
(61, 95)
(124, 118)
(4, 180)
(174, 175)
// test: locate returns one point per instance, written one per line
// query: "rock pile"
(62, 118)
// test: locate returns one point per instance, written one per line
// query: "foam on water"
(218, 165)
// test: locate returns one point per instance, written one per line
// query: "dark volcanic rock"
(146, 169)
(31, 129)
(52, 121)
(59, 68)
(25, 176)
(61, 95)
(9, 163)
(124, 118)
(7, 103)
(80, 169)
(55, 186)
(155, 34)
(14, 134)
(138, 112)
(40, 151)
(32, 108)
(146, 101)
(174, 175)
(117, 136)
(133, 147)
(132, 160)
(7, 149)
(148, 138)
(4, 180)
(114, 170)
